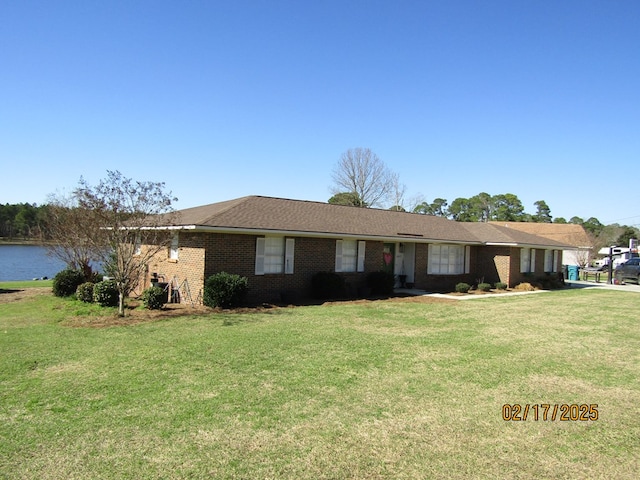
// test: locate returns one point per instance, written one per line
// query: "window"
(350, 255)
(274, 255)
(527, 260)
(448, 259)
(173, 250)
(548, 260)
(137, 246)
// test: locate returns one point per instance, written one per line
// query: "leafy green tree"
(627, 234)
(543, 212)
(507, 208)
(482, 205)
(347, 198)
(593, 226)
(437, 208)
(20, 220)
(461, 210)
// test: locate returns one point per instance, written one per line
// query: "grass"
(387, 389)
(26, 284)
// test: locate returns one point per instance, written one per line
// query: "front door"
(388, 257)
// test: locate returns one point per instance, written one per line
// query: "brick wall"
(236, 254)
(517, 277)
(201, 255)
(440, 283)
(494, 263)
(189, 266)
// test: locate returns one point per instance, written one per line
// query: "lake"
(26, 262)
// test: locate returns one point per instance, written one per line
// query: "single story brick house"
(279, 244)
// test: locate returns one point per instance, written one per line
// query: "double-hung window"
(350, 255)
(274, 255)
(448, 259)
(548, 261)
(527, 260)
(551, 261)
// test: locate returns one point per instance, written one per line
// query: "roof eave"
(337, 235)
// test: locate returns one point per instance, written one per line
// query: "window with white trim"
(350, 255)
(174, 249)
(527, 260)
(448, 259)
(548, 260)
(274, 255)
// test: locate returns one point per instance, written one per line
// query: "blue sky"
(221, 99)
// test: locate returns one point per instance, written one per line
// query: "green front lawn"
(386, 389)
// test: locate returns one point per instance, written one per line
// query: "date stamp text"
(515, 412)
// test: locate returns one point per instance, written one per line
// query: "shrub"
(153, 298)
(66, 282)
(524, 287)
(381, 282)
(106, 293)
(84, 292)
(463, 287)
(501, 286)
(484, 287)
(327, 285)
(549, 282)
(225, 290)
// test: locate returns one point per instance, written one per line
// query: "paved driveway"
(627, 287)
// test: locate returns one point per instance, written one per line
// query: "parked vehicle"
(629, 270)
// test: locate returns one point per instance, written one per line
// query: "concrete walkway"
(627, 287)
(573, 284)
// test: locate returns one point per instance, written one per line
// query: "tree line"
(362, 179)
(22, 220)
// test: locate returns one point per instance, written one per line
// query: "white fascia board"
(171, 227)
(525, 245)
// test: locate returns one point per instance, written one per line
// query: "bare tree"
(583, 257)
(361, 172)
(397, 193)
(65, 227)
(122, 223)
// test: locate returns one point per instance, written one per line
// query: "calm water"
(26, 262)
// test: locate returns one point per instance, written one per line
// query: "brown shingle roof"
(268, 214)
(490, 233)
(568, 234)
